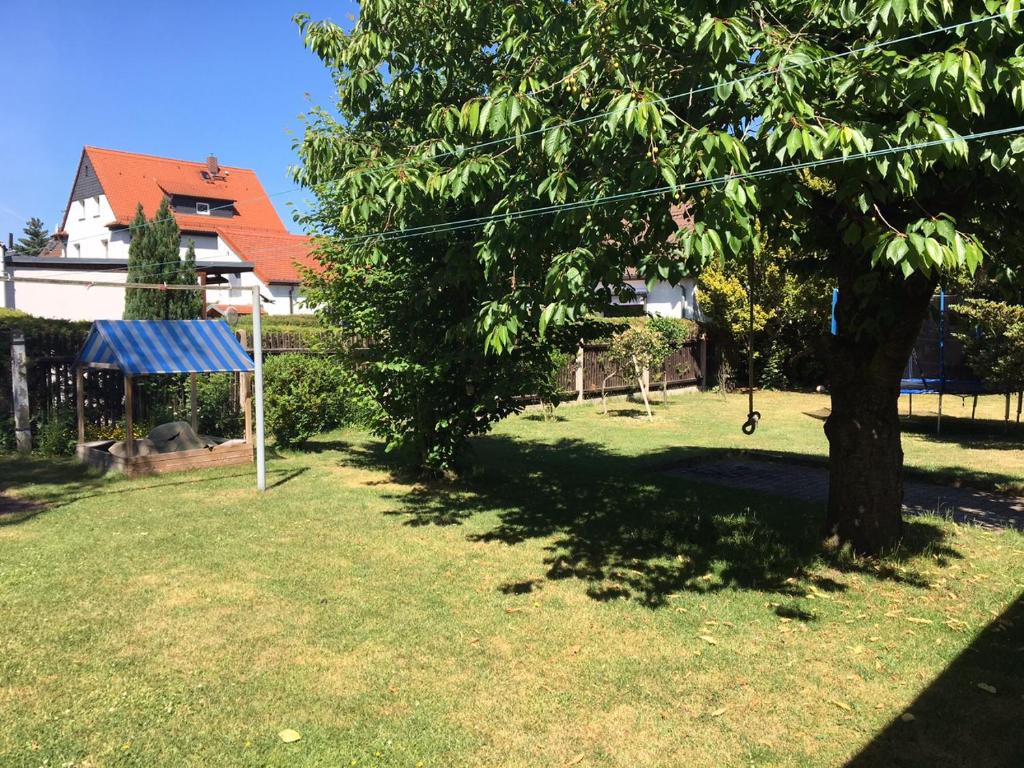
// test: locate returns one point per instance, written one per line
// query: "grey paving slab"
(810, 483)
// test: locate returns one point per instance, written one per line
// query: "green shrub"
(57, 433)
(6, 434)
(219, 414)
(675, 331)
(308, 394)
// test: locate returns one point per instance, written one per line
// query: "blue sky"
(179, 79)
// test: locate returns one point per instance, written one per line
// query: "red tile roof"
(128, 179)
(255, 233)
(276, 257)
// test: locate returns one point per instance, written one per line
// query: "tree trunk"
(643, 390)
(878, 324)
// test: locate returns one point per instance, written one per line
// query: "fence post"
(703, 361)
(244, 391)
(579, 373)
(19, 385)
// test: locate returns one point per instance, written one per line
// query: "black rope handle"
(753, 417)
(750, 425)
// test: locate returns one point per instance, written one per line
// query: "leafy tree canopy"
(630, 104)
(992, 333)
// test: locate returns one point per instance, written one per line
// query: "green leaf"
(794, 142)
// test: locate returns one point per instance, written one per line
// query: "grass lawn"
(570, 605)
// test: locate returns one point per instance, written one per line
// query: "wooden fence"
(591, 371)
(51, 379)
(50, 376)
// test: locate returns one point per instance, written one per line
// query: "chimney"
(212, 166)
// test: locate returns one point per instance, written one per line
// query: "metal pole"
(257, 356)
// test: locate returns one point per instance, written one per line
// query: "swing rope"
(753, 416)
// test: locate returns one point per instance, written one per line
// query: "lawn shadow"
(56, 483)
(955, 721)
(626, 530)
(983, 434)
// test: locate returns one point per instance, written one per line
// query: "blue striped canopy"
(140, 347)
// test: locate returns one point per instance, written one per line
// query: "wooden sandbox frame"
(225, 454)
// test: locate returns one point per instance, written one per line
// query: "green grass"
(569, 604)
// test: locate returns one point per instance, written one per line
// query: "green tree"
(426, 369)
(992, 333)
(34, 239)
(592, 99)
(186, 305)
(138, 302)
(154, 256)
(792, 308)
(638, 349)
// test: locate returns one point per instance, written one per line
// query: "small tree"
(992, 333)
(637, 350)
(34, 240)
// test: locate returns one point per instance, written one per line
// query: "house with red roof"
(239, 239)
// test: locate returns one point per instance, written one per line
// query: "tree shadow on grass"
(953, 721)
(626, 530)
(45, 485)
(985, 434)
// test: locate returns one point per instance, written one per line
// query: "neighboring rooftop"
(233, 202)
(128, 178)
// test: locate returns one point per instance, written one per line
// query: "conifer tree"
(154, 256)
(166, 253)
(138, 301)
(35, 238)
(187, 305)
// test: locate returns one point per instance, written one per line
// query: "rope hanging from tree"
(753, 416)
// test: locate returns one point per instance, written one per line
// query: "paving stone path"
(810, 483)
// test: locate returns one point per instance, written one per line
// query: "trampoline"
(937, 365)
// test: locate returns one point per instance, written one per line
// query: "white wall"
(288, 300)
(68, 302)
(672, 301)
(666, 300)
(86, 226)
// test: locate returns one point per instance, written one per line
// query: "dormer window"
(203, 209)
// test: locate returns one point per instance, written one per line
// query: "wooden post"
(1006, 418)
(974, 407)
(202, 311)
(193, 401)
(245, 391)
(129, 425)
(19, 385)
(80, 402)
(579, 373)
(1020, 397)
(703, 361)
(938, 422)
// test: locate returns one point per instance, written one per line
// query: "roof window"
(203, 209)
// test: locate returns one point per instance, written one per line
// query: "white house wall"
(665, 299)
(86, 226)
(67, 302)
